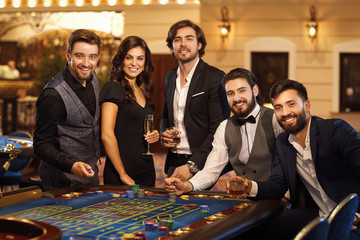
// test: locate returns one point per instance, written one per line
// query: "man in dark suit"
(194, 102)
(317, 159)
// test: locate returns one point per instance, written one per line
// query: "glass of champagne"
(148, 128)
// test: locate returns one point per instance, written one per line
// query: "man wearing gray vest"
(67, 119)
(246, 140)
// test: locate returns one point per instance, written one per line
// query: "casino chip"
(134, 188)
(163, 228)
(172, 197)
(184, 197)
(130, 194)
(140, 236)
(141, 193)
(148, 194)
(170, 224)
(128, 236)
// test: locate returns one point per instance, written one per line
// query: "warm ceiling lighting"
(79, 3)
(63, 3)
(111, 2)
(2, 3)
(16, 3)
(95, 3)
(47, 3)
(31, 3)
(181, 1)
(146, 2)
(163, 2)
(129, 2)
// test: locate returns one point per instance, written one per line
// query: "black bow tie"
(242, 121)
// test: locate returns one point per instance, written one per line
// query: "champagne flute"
(148, 128)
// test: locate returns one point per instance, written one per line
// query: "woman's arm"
(108, 120)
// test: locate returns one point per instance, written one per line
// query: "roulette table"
(100, 212)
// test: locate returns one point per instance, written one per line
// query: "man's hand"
(246, 184)
(182, 172)
(177, 186)
(166, 138)
(82, 170)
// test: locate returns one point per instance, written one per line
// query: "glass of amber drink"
(237, 188)
(175, 135)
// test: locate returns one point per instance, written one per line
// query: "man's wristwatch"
(192, 167)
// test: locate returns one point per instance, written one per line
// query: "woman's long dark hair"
(143, 80)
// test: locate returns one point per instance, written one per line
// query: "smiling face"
(83, 60)
(134, 63)
(291, 111)
(186, 45)
(240, 96)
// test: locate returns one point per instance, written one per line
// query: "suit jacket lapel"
(290, 157)
(194, 82)
(313, 139)
(172, 86)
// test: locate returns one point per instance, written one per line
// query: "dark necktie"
(242, 121)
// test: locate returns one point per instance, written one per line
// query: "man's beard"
(300, 123)
(250, 107)
(187, 59)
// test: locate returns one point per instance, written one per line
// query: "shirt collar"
(254, 112)
(292, 138)
(191, 73)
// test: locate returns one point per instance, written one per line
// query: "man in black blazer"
(317, 159)
(194, 102)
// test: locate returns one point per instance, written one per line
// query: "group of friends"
(275, 152)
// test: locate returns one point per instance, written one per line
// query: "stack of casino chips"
(172, 197)
(141, 193)
(170, 224)
(129, 194)
(151, 226)
(134, 188)
(140, 236)
(204, 209)
(136, 236)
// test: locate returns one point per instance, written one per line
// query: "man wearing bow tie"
(246, 140)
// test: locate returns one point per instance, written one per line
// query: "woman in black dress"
(125, 100)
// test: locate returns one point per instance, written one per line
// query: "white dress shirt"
(180, 96)
(218, 157)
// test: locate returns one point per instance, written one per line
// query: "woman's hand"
(126, 179)
(152, 137)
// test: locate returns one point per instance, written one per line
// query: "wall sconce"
(312, 24)
(225, 25)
